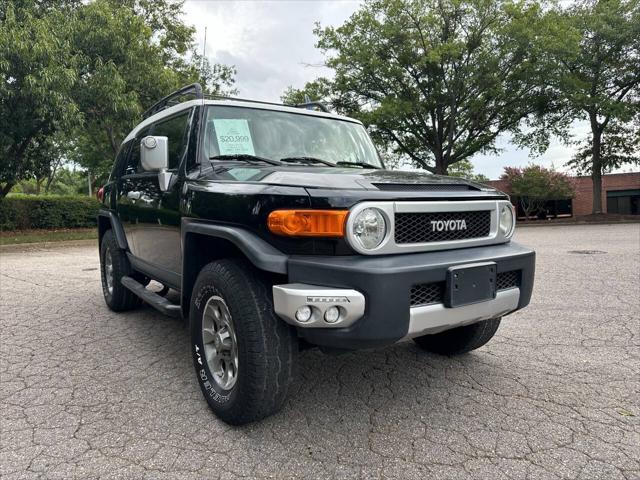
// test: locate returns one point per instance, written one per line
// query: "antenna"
(204, 49)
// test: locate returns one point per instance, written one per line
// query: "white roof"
(232, 103)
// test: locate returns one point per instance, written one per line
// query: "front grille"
(422, 187)
(427, 293)
(508, 280)
(430, 293)
(417, 227)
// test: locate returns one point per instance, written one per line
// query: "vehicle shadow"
(397, 387)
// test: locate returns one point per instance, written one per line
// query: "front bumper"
(386, 283)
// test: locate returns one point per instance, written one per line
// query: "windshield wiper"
(307, 160)
(246, 158)
(357, 164)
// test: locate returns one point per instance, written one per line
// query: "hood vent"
(422, 187)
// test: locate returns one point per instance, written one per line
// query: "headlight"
(369, 228)
(507, 220)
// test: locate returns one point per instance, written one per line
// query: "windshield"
(280, 135)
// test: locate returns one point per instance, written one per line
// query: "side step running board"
(153, 299)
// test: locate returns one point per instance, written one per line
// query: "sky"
(272, 45)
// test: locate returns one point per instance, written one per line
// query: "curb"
(22, 247)
(565, 224)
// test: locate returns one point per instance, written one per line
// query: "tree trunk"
(112, 140)
(526, 207)
(441, 169)
(441, 164)
(596, 172)
(52, 174)
(39, 185)
(6, 189)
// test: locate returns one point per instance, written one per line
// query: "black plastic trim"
(386, 283)
(156, 301)
(263, 255)
(116, 227)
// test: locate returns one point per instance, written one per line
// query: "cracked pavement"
(86, 393)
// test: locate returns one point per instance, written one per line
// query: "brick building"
(620, 194)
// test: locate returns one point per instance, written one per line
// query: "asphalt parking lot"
(85, 392)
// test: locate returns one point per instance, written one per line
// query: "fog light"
(332, 315)
(303, 314)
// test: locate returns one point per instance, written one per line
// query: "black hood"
(344, 178)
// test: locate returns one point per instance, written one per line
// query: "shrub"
(20, 212)
(533, 185)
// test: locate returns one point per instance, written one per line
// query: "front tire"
(244, 355)
(458, 341)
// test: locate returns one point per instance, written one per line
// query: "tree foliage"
(534, 185)
(131, 54)
(87, 70)
(620, 146)
(594, 49)
(37, 75)
(464, 169)
(438, 81)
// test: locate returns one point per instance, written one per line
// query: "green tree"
(535, 185)
(318, 90)
(37, 74)
(130, 54)
(594, 46)
(619, 146)
(437, 81)
(464, 168)
(87, 70)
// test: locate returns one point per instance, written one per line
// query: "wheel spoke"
(213, 356)
(208, 335)
(224, 333)
(108, 271)
(212, 312)
(218, 335)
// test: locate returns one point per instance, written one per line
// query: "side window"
(133, 165)
(175, 129)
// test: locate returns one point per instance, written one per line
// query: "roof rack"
(196, 90)
(320, 105)
(238, 99)
(164, 103)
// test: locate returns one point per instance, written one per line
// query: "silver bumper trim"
(431, 319)
(288, 298)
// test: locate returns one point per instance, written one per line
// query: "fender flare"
(260, 253)
(116, 227)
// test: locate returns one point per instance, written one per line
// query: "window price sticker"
(234, 137)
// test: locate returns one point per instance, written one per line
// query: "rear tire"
(113, 266)
(460, 340)
(244, 355)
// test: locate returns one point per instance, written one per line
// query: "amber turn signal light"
(308, 223)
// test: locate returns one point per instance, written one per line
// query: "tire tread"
(271, 344)
(122, 299)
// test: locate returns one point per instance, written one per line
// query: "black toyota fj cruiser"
(277, 227)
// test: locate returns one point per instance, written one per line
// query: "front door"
(154, 215)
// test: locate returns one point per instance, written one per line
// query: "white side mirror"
(154, 153)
